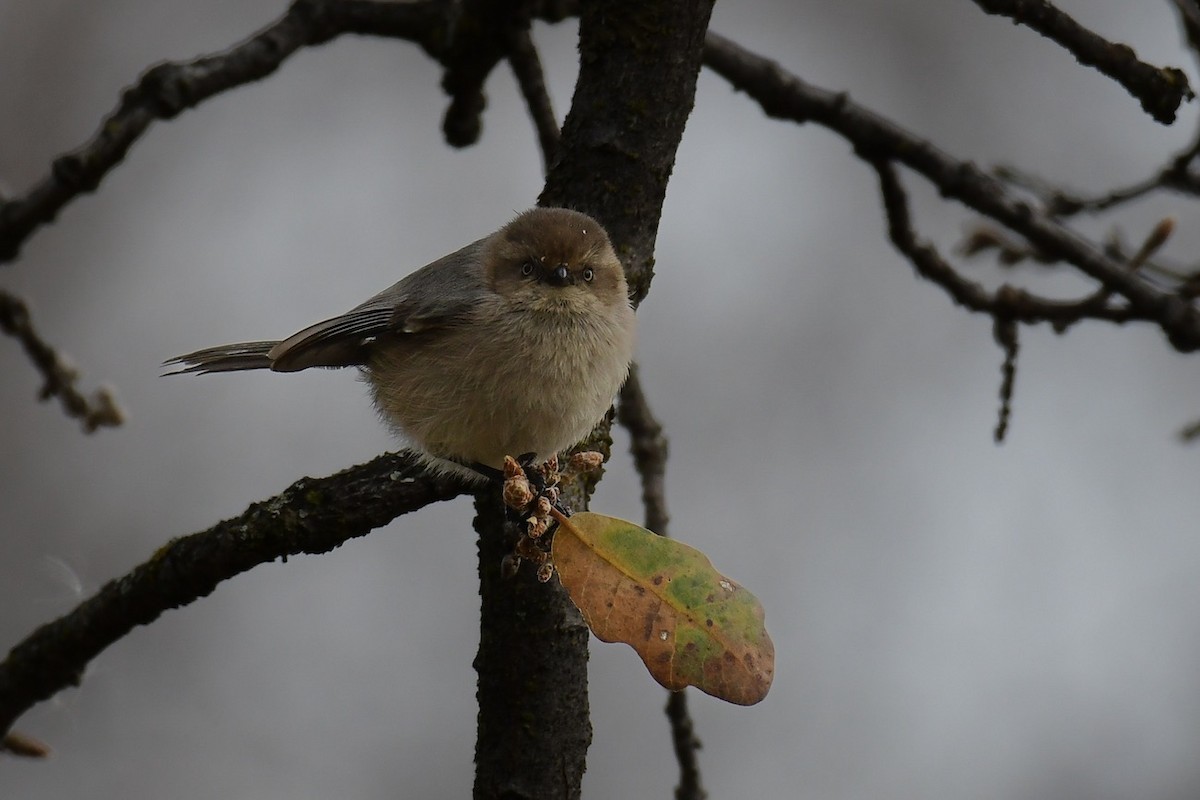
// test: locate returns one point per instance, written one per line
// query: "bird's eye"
(527, 268)
(588, 274)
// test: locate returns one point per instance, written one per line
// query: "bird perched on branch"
(515, 344)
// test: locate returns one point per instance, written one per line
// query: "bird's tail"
(226, 358)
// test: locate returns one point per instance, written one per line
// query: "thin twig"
(1009, 252)
(1190, 432)
(649, 447)
(1007, 301)
(875, 138)
(313, 515)
(99, 410)
(481, 34)
(1159, 89)
(1189, 17)
(1176, 175)
(1060, 202)
(527, 67)
(168, 89)
(687, 746)
(1004, 330)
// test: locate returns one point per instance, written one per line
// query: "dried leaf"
(690, 624)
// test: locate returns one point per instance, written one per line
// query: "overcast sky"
(952, 619)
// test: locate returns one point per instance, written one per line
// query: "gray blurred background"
(952, 618)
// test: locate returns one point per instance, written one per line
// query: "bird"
(514, 345)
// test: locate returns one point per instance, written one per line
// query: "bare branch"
(649, 447)
(166, 90)
(99, 410)
(523, 57)
(608, 141)
(1189, 17)
(785, 96)
(482, 33)
(1190, 432)
(313, 515)
(1060, 202)
(1159, 89)
(1008, 301)
(1176, 175)
(683, 737)
(1004, 330)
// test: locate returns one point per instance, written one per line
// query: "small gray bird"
(514, 344)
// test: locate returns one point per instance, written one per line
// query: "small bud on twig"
(586, 462)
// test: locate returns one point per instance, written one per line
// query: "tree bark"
(639, 62)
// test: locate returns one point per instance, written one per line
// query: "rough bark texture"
(637, 82)
(314, 515)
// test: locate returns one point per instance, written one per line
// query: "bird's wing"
(437, 295)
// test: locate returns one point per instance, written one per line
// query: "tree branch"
(168, 89)
(313, 515)
(482, 33)
(527, 67)
(614, 161)
(1008, 302)
(875, 139)
(1004, 331)
(1176, 175)
(649, 447)
(100, 410)
(1159, 89)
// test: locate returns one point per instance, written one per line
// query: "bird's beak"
(560, 276)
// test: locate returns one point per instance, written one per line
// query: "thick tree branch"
(639, 62)
(874, 138)
(99, 410)
(634, 95)
(1160, 90)
(313, 515)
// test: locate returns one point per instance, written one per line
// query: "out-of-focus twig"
(1160, 90)
(99, 410)
(172, 87)
(1189, 17)
(649, 447)
(1007, 301)
(1004, 330)
(878, 140)
(527, 67)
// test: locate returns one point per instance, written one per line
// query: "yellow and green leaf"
(691, 625)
